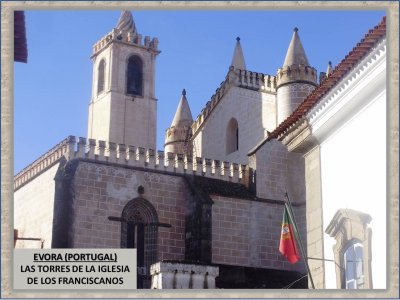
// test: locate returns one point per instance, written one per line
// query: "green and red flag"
(287, 245)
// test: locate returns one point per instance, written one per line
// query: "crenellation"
(154, 43)
(111, 151)
(188, 163)
(216, 168)
(64, 148)
(147, 41)
(225, 169)
(91, 149)
(131, 155)
(160, 160)
(125, 37)
(150, 161)
(99, 150)
(138, 39)
(121, 153)
(169, 162)
(178, 163)
(140, 157)
(289, 74)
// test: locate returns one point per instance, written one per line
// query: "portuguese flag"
(287, 245)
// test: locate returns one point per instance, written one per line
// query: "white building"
(340, 129)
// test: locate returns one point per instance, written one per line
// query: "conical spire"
(125, 22)
(183, 115)
(238, 58)
(295, 54)
(329, 69)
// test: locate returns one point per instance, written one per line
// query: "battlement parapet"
(124, 155)
(43, 162)
(255, 81)
(176, 134)
(296, 73)
(125, 37)
(240, 78)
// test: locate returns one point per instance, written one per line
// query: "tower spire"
(238, 58)
(125, 22)
(177, 136)
(295, 80)
(329, 69)
(295, 54)
(183, 115)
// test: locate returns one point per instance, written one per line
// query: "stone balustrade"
(124, 155)
(176, 275)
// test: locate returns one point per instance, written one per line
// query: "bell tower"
(123, 107)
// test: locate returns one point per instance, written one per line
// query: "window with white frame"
(352, 250)
(353, 264)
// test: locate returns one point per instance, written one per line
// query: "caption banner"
(75, 269)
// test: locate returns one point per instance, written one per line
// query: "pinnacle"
(295, 54)
(329, 69)
(183, 115)
(238, 58)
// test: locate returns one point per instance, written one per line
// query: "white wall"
(353, 171)
(33, 210)
(254, 112)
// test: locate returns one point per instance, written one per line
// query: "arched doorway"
(140, 231)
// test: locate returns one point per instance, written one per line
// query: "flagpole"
(303, 253)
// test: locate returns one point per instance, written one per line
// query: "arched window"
(232, 136)
(140, 231)
(134, 85)
(353, 265)
(100, 76)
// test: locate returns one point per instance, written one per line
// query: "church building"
(210, 205)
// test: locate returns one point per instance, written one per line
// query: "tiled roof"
(342, 69)
(20, 47)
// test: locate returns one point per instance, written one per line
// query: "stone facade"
(255, 114)
(213, 200)
(246, 233)
(115, 114)
(289, 97)
(102, 191)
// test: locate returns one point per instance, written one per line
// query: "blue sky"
(52, 91)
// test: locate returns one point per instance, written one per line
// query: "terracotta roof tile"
(356, 54)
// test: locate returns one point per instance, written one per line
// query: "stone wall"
(289, 97)
(247, 233)
(102, 191)
(254, 112)
(113, 115)
(279, 171)
(33, 209)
